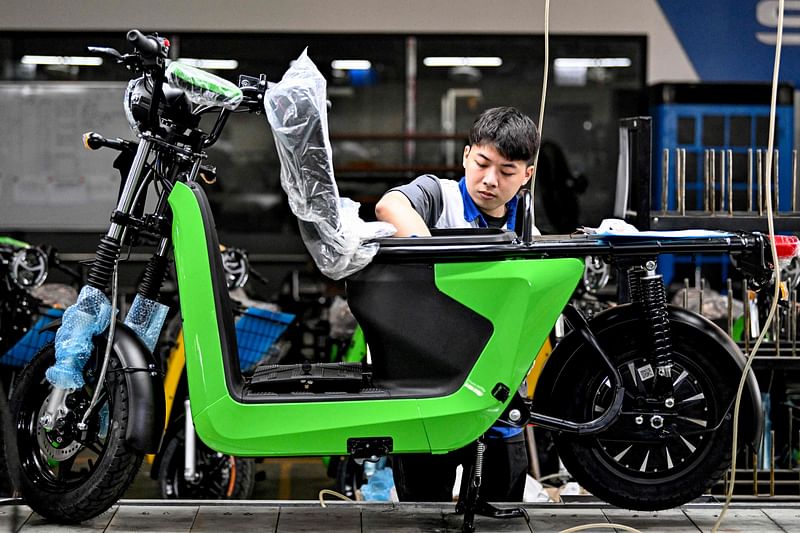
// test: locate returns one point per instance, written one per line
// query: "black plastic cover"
(422, 342)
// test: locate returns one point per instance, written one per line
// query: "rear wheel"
(663, 450)
(217, 475)
(68, 474)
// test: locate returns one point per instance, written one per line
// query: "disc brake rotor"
(48, 443)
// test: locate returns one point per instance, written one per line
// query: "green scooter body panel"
(262, 429)
(522, 299)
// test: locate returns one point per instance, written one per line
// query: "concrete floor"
(294, 517)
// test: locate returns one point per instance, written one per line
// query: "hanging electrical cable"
(777, 291)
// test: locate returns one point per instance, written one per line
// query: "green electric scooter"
(641, 397)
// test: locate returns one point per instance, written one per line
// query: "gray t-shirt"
(425, 195)
(443, 204)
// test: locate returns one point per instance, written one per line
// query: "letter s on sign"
(767, 15)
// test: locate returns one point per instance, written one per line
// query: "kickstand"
(469, 501)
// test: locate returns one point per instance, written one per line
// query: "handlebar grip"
(148, 46)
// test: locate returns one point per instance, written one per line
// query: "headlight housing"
(137, 103)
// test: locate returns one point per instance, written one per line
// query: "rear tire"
(64, 475)
(635, 464)
(219, 476)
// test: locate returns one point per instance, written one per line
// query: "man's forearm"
(396, 209)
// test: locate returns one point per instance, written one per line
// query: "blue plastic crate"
(256, 331)
(21, 353)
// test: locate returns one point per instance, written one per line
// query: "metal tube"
(132, 182)
(777, 190)
(533, 454)
(665, 180)
(760, 177)
(189, 467)
(794, 180)
(686, 293)
(683, 181)
(755, 474)
(702, 290)
(723, 166)
(746, 302)
(777, 325)
(712, 188)
(793, 314)
(730, 182)
(678, 206)
(730, 306)
(772, 463)
(706, 177)
(749, 180)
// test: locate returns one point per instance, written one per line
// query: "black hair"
(512, 133)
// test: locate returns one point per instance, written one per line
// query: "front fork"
(100, 276)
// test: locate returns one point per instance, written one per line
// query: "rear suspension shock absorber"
(654, 308)
(634, 274)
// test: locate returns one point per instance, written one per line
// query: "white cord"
(544, 88)
(776, 294)
(601, 525)
(339, 495)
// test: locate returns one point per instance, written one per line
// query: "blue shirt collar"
(471, 211)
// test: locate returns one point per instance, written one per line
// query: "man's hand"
(396, 209)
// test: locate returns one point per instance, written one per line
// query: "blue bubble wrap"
(146, 317)
(379, 487)
(82, 320)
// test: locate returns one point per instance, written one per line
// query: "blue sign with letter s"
(734, 40)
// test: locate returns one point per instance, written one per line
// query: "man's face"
(493, 180)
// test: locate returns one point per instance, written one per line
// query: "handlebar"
(149, 47)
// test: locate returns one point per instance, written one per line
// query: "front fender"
(146, 401)
(731, 360)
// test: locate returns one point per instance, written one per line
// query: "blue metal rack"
(729, 117)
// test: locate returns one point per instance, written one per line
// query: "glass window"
(388, 126)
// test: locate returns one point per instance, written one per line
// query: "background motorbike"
(27, 303)
(184, 466)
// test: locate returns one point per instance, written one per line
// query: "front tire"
(654, 456)
(68, 475)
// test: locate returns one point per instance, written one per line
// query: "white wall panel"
(666, 58)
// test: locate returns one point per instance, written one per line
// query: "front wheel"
(217, 475)
(69, 474)
(664, 449)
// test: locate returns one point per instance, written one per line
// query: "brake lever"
(106, 51)
(131, 61)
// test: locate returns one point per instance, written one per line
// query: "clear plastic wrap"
(202, 87)
(336, 237)
(341, 320)
(87, 317)
(146, 317)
